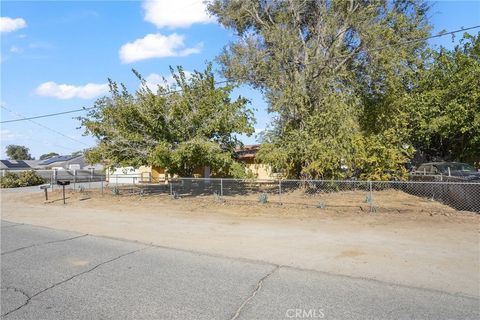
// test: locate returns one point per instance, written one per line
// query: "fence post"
(280, 190)
(221, 187)
(170, 183)
(371, 196)
(74, 178)
(101, 186)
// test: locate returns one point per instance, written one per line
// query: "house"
(156, 174)
(247, 154)
(152, 174)
(67, 162)
(146, 174)
(15, 165)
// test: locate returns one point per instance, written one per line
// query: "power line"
(84, 108)
(399, 44)
(442, 34)
(48, 115)
(43, 126)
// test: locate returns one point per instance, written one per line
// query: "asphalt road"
(52, 274)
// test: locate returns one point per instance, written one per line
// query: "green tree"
(180, 127)
(445, 105)
(329, 71)
(16, 152)
(48, 155)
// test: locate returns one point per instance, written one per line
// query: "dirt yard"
(407, 240)
(390, 204)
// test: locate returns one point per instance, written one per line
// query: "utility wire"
(43, 126)
(47, 115)
(442, 34)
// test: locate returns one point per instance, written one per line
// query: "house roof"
(247, 151)
(14, 164)
(57, 159)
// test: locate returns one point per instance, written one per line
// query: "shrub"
(23, 179)
(9, 180)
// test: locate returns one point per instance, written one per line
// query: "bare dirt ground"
(409, 240)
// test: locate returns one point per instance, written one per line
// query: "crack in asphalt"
(257, 288)
(70, 278)
(43, 243)
(17, 290)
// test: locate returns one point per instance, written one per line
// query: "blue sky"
(57, 56)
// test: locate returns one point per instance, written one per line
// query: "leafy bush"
(23, 179)
(9, 180)
(263, 198)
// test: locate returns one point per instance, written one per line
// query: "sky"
(57, 55)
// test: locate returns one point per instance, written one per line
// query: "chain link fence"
(83, 179)
(372, 196)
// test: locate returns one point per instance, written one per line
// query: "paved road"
(51, 274)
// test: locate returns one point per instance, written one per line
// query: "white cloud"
(175, 14)
(259, 130)
(7, 135)
(8, 24)
(15, 49)
(156, 46)
(66, 91)
(154, 80)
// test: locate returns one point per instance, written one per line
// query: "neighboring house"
(14, 165)
(67, 162)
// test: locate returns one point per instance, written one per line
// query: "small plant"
(217, 197)
(369, 200)
(263, 198)
(115, 191)
(321, 205)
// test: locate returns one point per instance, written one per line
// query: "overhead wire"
(43, 126)
(442, 34)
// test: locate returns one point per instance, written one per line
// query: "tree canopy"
(333, 74)
(16, 152)
(445, 104)
(48, 155)
(181, 127)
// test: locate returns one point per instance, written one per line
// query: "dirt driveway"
(428, 245)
